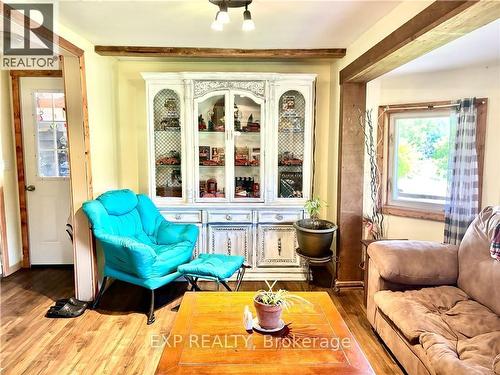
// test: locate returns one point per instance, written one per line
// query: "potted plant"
(269, 306)
(314, 235)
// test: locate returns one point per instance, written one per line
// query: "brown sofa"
(437, 306)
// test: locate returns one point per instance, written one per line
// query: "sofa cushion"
(479, 273)
(478, 355)
(415, 262)
(443, 310)
(414, 312)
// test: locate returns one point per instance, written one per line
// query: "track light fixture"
(217, 25)
(222, 15)
(248, 24)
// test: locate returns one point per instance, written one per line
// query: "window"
(51, 134)
(419, 150)
(414, 155)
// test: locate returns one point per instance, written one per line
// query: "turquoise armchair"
(140, 246)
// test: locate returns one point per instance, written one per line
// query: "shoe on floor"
(68, 310)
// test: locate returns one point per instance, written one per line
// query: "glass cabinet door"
(168, 144)
(248, 164)
(211, 155)
(291, 124)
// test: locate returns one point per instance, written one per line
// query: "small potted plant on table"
(269, 306)
(314, 235)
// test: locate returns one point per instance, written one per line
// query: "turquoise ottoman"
(215, 267)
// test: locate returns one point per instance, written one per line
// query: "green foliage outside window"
(423, 140)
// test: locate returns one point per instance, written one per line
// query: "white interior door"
(46, 165)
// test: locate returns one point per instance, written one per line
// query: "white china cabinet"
(232, 153)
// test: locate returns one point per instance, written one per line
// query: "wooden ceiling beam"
(435, 26)
(141, 51)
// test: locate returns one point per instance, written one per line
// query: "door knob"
(30, 188)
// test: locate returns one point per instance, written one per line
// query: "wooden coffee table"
(208, 337)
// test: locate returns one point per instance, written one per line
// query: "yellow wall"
(101, 95)
(8, 174)
(436, 86)
(131, 111)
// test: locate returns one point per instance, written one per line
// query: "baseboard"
(57, 266)
(350, 284)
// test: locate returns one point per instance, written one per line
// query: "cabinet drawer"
(230, 217)
(279, 216)
(276, 246)
(182, 216)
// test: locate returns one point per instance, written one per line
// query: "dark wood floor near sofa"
(116, 339)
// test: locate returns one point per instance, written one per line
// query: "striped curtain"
(462, 199)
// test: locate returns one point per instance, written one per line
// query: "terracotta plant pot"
(269, 316)
(314, 236)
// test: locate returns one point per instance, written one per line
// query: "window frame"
(391, 178)
(385, 163)
(56, 150)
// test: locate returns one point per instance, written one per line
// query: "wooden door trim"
(15, 76)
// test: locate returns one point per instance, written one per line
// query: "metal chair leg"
(151, 313)
(241, 273)
(100, 293)
(194, 285)
(225, 285)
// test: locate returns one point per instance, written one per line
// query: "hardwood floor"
(115, 339)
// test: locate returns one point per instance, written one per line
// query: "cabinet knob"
(279, 217)
(228, 217)
(178, 217)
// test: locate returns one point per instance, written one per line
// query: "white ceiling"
(279, 23)
(480, 48)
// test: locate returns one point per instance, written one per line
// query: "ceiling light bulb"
(248, 24)
(217, 26)
(222, 14)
